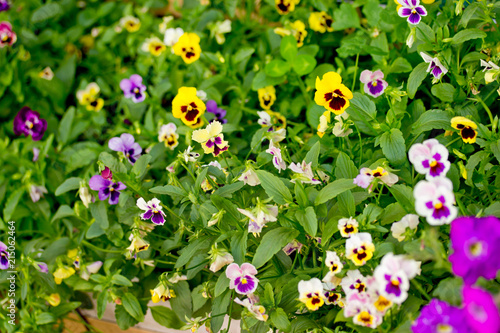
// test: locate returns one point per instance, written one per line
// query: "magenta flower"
(243, 279)
(28, 122)
(127, 145)
(435, 67)
(4, 256)
(439, 316)
(107, 174)
(430, 158)
(374, 82)
(476, 244)
(133, 88)
(7, 36)
(412, 10)
(481, 311)
(154, 210)
(218, 112)
(106, 188)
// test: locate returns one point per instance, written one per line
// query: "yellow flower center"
(444, 328)
(111, 189)
(136, 90)
(155, 211)
(365, 317)
(244, 281)
(439, 205)
(30, 124)
(433, 164)
(374, 83)
(395, 282)
(476, 249)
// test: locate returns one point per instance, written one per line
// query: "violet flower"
(42, 267)
(127, 145)
(7, 36)
(37, 192)
(481, 311)
(475, 244)
(374, 82)
(106, 188)
(4, 5)
(242, 278)
(435, 67)
(429, 158)
(4, 256)
(439, 316)
(218, 112)
(28, 122)
(133, 88)
(154, 210)
(412, 10)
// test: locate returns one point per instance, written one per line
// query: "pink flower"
(374, 82)
(242, 278)
(277, 159)
(429, 158)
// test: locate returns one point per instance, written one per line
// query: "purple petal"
(436, 72)
(116, 144)
(128, 141)
(158, 218)
(136, 79)
(104, 194)
(4, 262)
(421, 10)
(404, 12)
(126, 85)
(119, 186)
(414, 18)
(38, 130)
(113, 198)
(97, 183)
(211, 106)
(147, 215)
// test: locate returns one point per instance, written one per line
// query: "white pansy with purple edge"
(412, 10)
(374, 82)
(303, 172)
(133, 88)
(434, 200)
(430, 158)
(277, 158)
(4, 256)
(153, 210)
(127, 145)
(435, 67)
(243, 279)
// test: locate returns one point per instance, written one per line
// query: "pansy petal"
(97, 182)
(200, 135)
(141, 203)
(366, 76)
(116, 144)
(233, 271)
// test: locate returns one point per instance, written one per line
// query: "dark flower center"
(468, 133)
(191, 111)
(336, 99)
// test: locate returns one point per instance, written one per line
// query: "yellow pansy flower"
(63, 273)
(286, 6)
(154, 46)
(320, 22)
(211, 138)
(89, 97)
(130, 23)
(331, 93)
(188, 107)
(467, 128)
(188, 47)
(161, 293)
(267, 96)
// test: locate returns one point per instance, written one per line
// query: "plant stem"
(355, 73)
(95, 248)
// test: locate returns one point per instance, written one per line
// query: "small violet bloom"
(434, 200)
(133, 88)
(4, 5)
(127, 145)
(106, 188)
(37, 192)
(439, 316)
(481, 311)
(4, 256)
(277, 158)
(412, 10)
(430, 158)
(28, 122)
(242, 278)
(154, 210)
(7, 36)
(374, 82)
(42, 267)
(475, 244)
(218, 112)
(435, 67)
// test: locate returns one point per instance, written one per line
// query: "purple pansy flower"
(435, 67)
(154, 210)
(127, 145)
(42, 267)
(481, 311)
(439, 316)
(218, 112)
(430, 158)
(475, 244)
(106, 188)
(4, 5)
(243, 279)
(133, 88)
(374, 82)
(412, 10)
(434, 200)
(4, 256)
(28, 122)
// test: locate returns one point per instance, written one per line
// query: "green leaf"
(450, 290)
(288, 47)
(364, 105)
(166, 317)
(261, 80)
(345, 17)
(219, 308)
(69, 184)
(239, 246)
(404, 195)
(132, 306)
(429, 120)
(346, 202)
(425, 33)
(171, 190)
(94, 231)
(182, 301)
(46, 12)
(416, 77)
(333, 189)
(11, 203)
(227, 190)
(62, 211)
(230, 6)
(140, 165)
(242, 54)
(303, 64)
(198, 245)
(65, 125)
(272, 242)
(400, 65)
(472, 163)
(495, 149)
(443, 91)
(112, 163)
(393, 146)
(308, 220)
(221, 285)
(467, 34)
(345, 167)
(123, 319)
(99, 213)
(493, 209)
(121, 280)
(102, 300)
(313, 154)
(277, 68)
(274, 187)
(45, 318)
(280, 320)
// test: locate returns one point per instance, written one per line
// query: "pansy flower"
(467, 128)
(491, 69)
(89, 97)
(46, 74)
(412, 10)
(242, 279)
(137, 244)
(260, 216)
(154, 46)
(133, 88)
(4, 256)
(165, 20)
(219, 29)
(398, 229)
(367, 176)
(331, 93)
(130, 23)
(28, 122)
(361, 308)
(293, 246)
(274, 120)
(219, 113)
(331, 296)
(189, 156)
(168, 135)
(106, 188)
(187, 106)
(439, 316)
(188, 47)
(211, 139)
(4, 5)
(359, 248)
(277, 158)
(267, 96)
(286, 6)
(90, 269)
(311, 293)
(324, 121)
(7, 36)
(481, 311)
(334, 265)
(320, 22)
(303, 172)
(475, 244)
(258, 311)
(127, 145)
(297, 29)
(341, 129)
(161, 293)
(172, 36)
(429, 158)
(37, 192)
(434, 200)
(153, 210)
(40, 266)
(62, 273)
(219, 257)
(435, 67)
(348, 227)
(249, 177)
(354, 282)
(374, 82)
